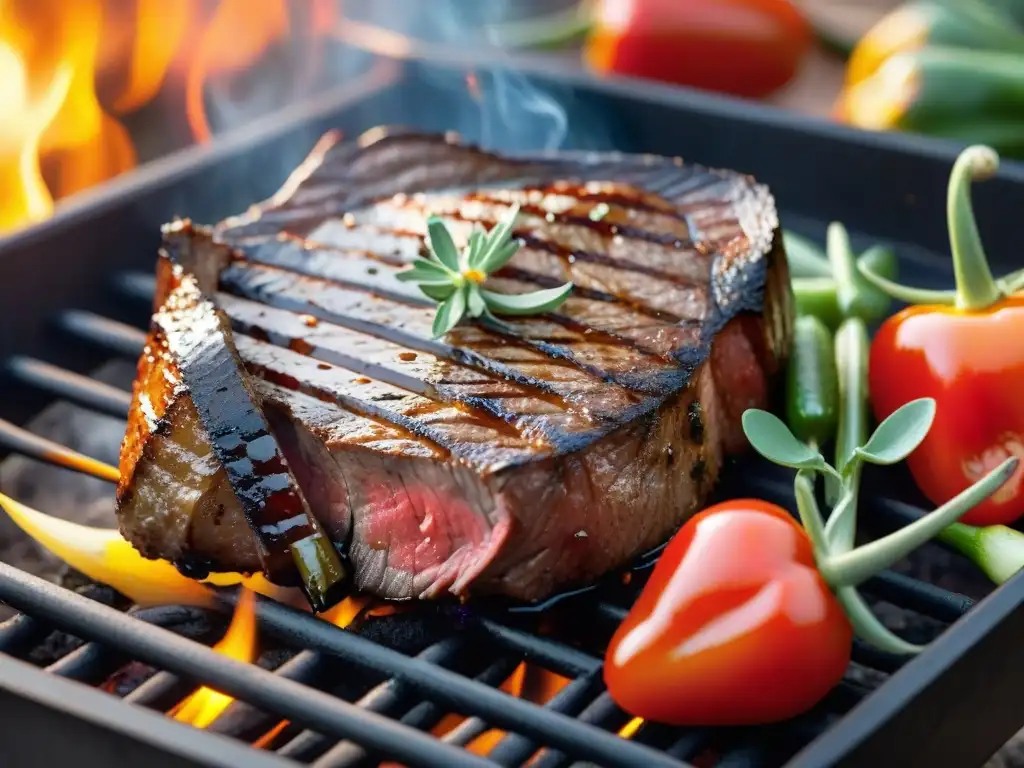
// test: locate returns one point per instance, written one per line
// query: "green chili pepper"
(819, 296)
(812, 394)
(804, 257)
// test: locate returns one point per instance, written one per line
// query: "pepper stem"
(857, 566)
(905, 292)
(810, 515)
(867, 626)
(975, 287)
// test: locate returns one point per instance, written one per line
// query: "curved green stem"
(852, 568)
(841, 526)
(867, 626)
(904, 292)
(975, 287)
(1012, 282)
(810, 515)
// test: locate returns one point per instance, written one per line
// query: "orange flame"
(67, 66)
(527, 681)
(238, 34)
(161, 27)
(239, 643)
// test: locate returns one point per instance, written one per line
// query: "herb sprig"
(455, 280)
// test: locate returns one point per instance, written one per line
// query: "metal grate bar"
(456, 691)
(424, 715)
(89, 663)
(244, 721)
(161, 692)
(20, 632)
(120, 338)
(515, 749)
(557, 657)
(18, 440)
(73, 387)
(386, 698)
(162, 648)
(919, 596)
(136, 285)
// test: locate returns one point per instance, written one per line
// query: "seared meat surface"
(511, 461)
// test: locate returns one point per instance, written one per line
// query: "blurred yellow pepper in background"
(952, 69)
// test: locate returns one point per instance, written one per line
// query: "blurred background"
(91, 89)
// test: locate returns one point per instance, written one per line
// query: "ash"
(89, 501)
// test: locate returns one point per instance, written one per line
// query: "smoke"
(455, 79)
(465, 82)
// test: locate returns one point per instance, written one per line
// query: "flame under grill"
(390, 718)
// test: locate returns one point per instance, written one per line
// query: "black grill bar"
(78, 389)
(385, 699)
(514, 749)
(293, 701)
(423, 716)
(455, 691)
(18, 440)
(60, 722)
(120, 338)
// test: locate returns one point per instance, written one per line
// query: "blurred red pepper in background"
(746, 48)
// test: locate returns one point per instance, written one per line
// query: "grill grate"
(393, 717)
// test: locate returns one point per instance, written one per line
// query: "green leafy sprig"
(843, 566)
(455, 280)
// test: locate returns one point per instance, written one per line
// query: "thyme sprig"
(455, 280)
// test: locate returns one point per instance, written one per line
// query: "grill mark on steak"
(422, 521)
(362, 231)
(424, 374)
(374, 311)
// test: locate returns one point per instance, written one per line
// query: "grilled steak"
(513, 460)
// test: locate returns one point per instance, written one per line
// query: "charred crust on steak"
(693, 414)
(471, 460)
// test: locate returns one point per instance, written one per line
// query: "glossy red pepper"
(963, 349)
(742, 47)
(736, 625)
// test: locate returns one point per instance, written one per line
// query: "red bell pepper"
(736, 625)
(743, 47)
(958, 347)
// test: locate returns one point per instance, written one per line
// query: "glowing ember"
(104, 556)
(629, 729)
(239, 643)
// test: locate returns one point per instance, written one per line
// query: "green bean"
(812, 390)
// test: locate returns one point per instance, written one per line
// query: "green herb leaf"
(437, 292)
(475, 249)
(449, 312)
(499, 258)
(475, 303)
(497, 239)
(424, 271)
(441, 244)
(771, 438)
(526, 303)
(898, 436)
